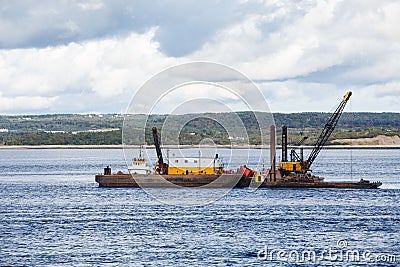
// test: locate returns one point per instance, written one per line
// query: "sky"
(93, 56)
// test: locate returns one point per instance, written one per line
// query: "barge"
(362, 184)
(119, 179)
(296, 171)
(275, 179)
(210, 173)
(228, 180)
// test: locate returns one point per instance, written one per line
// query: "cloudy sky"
(92, 56)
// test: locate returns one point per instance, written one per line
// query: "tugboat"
(139, 165)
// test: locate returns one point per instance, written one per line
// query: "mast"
(284, 143)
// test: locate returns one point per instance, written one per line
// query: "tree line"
(188, 129)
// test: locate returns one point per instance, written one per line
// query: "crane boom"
(157, 145)
(326, 132)
(161, 167)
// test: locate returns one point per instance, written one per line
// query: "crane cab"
(289, 166)
(296, 163)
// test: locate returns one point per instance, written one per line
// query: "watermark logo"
(340, 253)
(174, 101)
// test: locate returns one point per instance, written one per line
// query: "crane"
(161, 167)
(298, 164)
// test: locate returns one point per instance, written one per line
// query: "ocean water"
(54, 214)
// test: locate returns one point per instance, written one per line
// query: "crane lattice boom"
(326, 132)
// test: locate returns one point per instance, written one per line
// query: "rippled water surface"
(53, 213)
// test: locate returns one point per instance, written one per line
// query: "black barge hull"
(349, 185)
(173, 181)
(216, 181)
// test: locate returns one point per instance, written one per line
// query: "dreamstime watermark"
(198, 91)
(338, 253)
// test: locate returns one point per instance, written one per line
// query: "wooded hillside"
(94, 129)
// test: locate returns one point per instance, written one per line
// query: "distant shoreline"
(21, 147)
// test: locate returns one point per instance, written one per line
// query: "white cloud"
(303, 55)
(25, 103)
(182, 24)
(87, 5)
(106, 68)
(295, 96)
(198, 97)
(330, 46)
(329, 34)
(377, 97)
